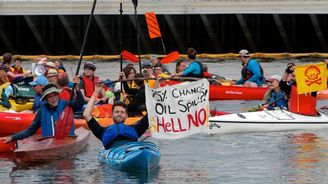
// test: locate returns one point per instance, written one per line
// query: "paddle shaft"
(135, 3)
(120, 37)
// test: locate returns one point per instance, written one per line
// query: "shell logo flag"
(311, 77)
(153, 28)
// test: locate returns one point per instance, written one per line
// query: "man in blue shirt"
(38, 84)
(252, 72)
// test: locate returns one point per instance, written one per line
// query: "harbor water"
(296, 157)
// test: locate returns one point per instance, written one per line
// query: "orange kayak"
(12, 123)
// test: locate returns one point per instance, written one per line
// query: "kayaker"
(37, 85)
(17, 69)
(48, 114)
(129, 71)
(88, 81)
(275, 98)
(59, 66)
(7, 58)
(118, 133)
(137, 99)
(298, 103)
(155, 60)
(180, 66)
(148, 73)
(62, 84)
(195, 69)
(252, 72)
(159, 71)
(52, 75)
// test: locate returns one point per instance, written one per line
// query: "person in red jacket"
(88, 81)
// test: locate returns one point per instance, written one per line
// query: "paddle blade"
(153, 28)
(170, 57)
(135, 3)
(64, 123)
(126, 55)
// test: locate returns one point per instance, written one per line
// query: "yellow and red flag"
(311, 77)
(153, 28)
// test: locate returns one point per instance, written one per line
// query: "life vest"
(278, 99)
(200, 75)
(15, 70)
(65, 94)
(116, 130)
(247, 74)
(302, 103)
(89, 85)
(48, 119)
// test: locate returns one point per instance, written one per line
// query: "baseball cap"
(274, 77)
(243, 53)
(90, 65)
(39, 80)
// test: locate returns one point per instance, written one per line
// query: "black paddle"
(64, 123)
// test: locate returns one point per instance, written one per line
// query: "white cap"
(274, 77)
(244, 53)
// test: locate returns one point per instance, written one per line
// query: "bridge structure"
(211, 26)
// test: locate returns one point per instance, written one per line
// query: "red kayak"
(219, 92)
(36, 149)
(7, 147)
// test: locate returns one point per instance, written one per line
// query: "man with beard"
(118, 133)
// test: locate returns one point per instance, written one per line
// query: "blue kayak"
(132, 156)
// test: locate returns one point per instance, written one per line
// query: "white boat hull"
(265, 121)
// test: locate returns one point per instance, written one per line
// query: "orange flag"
(152, 24)
(311, 77)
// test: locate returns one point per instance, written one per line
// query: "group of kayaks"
(145, 156)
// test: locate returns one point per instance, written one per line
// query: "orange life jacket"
(89, 85)
(302, 103)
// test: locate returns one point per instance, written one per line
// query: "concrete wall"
(80, 7)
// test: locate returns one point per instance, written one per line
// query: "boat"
(37, 149)
(7, 147)
(233, 92)
(266, 121)
(15, 122)
(322, 95)
(132, 156)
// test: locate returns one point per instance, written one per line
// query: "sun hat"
(244, 53)
(39, 80)
(90, 65)
(274, 77)
(51, 64)
(52, 72)
(48, 89)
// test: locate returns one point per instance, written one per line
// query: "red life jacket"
(302, 103)
(89, 85)
(65, 94)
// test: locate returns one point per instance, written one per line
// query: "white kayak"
(266, 121)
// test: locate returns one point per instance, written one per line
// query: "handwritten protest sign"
(178, 111)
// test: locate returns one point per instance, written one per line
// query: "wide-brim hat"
(48, 89)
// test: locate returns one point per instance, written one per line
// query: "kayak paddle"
(126, 55)
(170, 57)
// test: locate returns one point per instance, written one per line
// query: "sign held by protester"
(311, 77)
(178, 111)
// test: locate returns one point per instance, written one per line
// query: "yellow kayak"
(17, 107)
